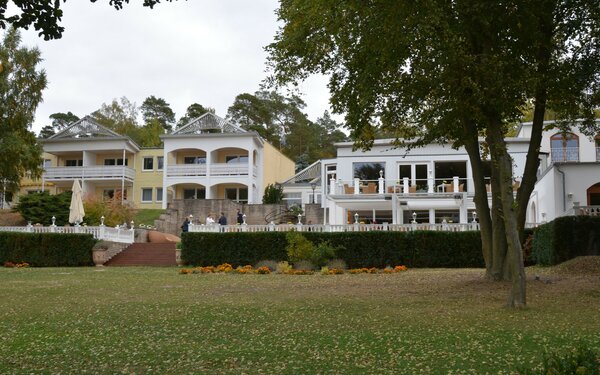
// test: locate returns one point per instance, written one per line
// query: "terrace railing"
(122, 235)
(96, 172)
(216, 228)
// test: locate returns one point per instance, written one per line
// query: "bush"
(113, 211)
(323, 253)
(582, 361)
(298, 247)
(46, 249)
(357, 249)
(40, 207)
(566, 238)
(273, 194)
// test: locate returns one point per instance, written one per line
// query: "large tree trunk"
(502, 160)
(481, 201)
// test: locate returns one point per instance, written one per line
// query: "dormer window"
(564, 147)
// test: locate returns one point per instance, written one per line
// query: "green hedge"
(566, 238)
(358, 249)
(46, 249)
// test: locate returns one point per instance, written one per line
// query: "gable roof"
(85, 128)
(209, 123)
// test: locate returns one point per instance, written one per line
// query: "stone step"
(145, 254)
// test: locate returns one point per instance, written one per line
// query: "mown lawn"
(153, 320)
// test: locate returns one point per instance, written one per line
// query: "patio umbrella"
(76, 212)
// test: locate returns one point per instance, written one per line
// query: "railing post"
(455, 183)
(430, 184)
(381, 183)
(332, 188)
(356, 186)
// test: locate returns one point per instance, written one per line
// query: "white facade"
(434, 184)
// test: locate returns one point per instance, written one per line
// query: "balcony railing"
(562, 154)
(215, 169)
(405, 186)
(88, 172)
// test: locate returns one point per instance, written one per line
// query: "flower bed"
(287, 270)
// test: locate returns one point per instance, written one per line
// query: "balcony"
(564, 154)
(215, 169)
(404, 186)
(88, 173)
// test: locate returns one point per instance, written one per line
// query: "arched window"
(597, 147)
(565, 147)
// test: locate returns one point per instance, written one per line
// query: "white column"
(463, 213)
(123, 180)
(405, 187)
(394, 209)
(250, 177)
(356, 186)
(332, 187)
(431, 216)
(455, 182)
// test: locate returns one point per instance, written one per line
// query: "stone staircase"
(145, 254)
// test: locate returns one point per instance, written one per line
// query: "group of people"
(210, 220)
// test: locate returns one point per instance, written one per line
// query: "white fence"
(216, 228)
(102, 232)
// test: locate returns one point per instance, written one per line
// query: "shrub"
(322, 253)
(337, 264)
(113, 211)
(299, 248)
(40, 207)
(566, 238)
(46, 249)
(273, 194)
(283, 267)
(583, 361)
(270, 264)
(304, 265)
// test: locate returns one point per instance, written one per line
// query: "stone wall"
(179, 209)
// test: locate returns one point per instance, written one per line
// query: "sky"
(194, 51)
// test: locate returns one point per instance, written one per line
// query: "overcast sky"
(202, 51)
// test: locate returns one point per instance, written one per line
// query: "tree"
(21, 86)
(119, 116)
(149, 134)
(45, 15)
(449, 71)
(60, 121)
(273, 194)
(193, 111)
(158, 109)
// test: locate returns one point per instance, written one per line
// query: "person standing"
(222, 219)
(240, 217)
(210, 220)
(186, 225)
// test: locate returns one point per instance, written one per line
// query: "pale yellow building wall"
(277, 167)
(147, 179)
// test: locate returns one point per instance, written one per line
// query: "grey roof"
(208, 123)
(310, 174)
(85, 128)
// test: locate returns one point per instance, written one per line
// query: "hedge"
(357, 249)
(47, 249)
(565, 238)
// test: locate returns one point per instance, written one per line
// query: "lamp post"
(313, 186)
(414, 216)
(356, 218)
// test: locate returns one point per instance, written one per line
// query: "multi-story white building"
(207, 158)
(434, 184)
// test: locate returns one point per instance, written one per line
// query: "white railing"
(216, 228)
(560, 154)
(585, 211)
(404, 186)
(123, 235)
(223, 169)
(88, 172)
(178, 170)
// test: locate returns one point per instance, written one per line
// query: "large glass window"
(194, 193)
(237, 159)
(237, 194)
(194, 160)
(159, 194)
(114, 161)
(368, 171)
(74, 163)
(564, 147)
(292, 199)
(160, 161)
(113, 194)
(598, 147)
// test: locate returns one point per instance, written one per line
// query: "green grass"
(153, 320)
(147, 216)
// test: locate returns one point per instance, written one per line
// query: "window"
(113, 194)
(237, 159)
(115, 161)
(237, 194)
(292, 199)
(47, 163)
(146, 194)
(73, 162)
(194, 193)
(160, 162)
(368, 171)
(194, 160)
(159, 194)
(148, 164)
(597, 147)
(564, 147)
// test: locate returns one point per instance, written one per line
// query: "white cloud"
(186, 51)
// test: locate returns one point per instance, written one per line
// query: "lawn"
(153, 320)
(147, 216)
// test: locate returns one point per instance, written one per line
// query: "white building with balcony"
(434, 184)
